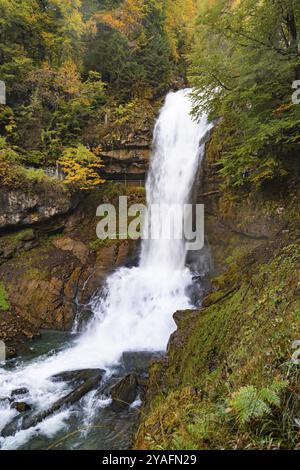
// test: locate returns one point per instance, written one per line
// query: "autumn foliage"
(68, 64)
(81, 167)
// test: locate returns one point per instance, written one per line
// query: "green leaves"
(242, 69)
(4, 304)
(249, 403)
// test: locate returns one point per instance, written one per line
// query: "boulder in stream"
(19, 391)
(139, 361)
(75, 376)
(21, 406)
(124, 392)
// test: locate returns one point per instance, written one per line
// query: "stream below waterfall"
(132, 321)
(105, 429)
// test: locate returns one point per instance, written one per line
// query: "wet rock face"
(51, 271)
(19, 208)
(129, 164)
(81, 376)
(78, 248)
(49, 287)
(182, 317)
(124, 392)
(139, 363)
(236, 222)
(14, 330)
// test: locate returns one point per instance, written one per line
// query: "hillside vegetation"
(84, 73)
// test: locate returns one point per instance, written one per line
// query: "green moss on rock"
(239, 346)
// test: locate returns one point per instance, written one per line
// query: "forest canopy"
(244, 62)
(69, 64)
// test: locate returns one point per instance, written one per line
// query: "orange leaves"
(111, 18)
(282, 108)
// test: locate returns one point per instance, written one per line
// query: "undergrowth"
(233, 383)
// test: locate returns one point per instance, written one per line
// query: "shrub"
(80, 166)
(249, 403)
(34, 174)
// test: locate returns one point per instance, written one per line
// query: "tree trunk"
(293, 39)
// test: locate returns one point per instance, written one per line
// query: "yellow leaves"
(68, 78)
(6, 176)
(75, 22)
(26, 11)
(180, 15)
(48, 38)
(81, 168)
(90, 26)
(110, 18)
(84, 177)
(127, 18)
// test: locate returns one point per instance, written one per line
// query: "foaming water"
(135, 312)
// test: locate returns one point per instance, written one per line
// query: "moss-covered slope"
(229, 380)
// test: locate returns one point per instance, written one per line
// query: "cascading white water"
(136, 311)
(174, 165)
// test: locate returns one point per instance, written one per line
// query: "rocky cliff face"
(50, 271)
(128, 164)
(39, 204)
(235, 221)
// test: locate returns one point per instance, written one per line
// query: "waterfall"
(174, 165)
(135, 311)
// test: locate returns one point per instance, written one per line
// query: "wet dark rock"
(124, 392)
(127, 164)
(7, 252)
(143, 382)
(30, 245)
(182, 318)
(74, 376)
(19, 391)
(90, 378)
(84, 316)
(138, 362)
(11, 353)
(51, 286)
(21, 406)
(28, 236)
